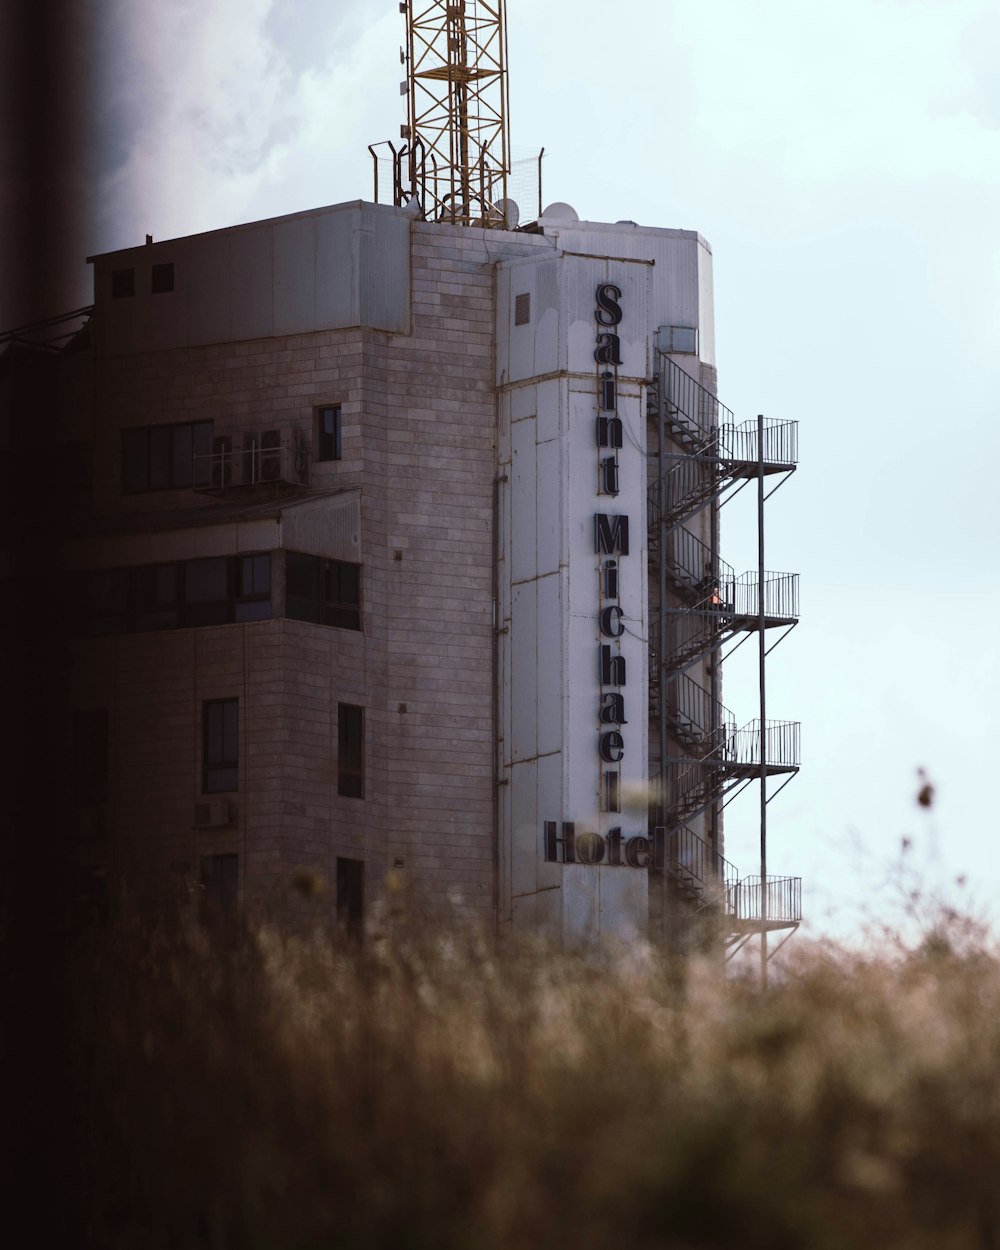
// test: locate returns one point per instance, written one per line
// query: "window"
(221, 747)
(106, 601)
(253, 588)
(522, 308)
(220, 881)
(327, 592)
(166, 457)
(350, 751)
(328, 432)
(350, 897)
(162, 278)
(206, 591)
(154, 597)
(217, 590)
(122, 283)
(90, 742)
(682, 339)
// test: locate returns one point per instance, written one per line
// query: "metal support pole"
(761, 661)
(665, 918)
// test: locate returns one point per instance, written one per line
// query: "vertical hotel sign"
(611, 547)
(611, 544)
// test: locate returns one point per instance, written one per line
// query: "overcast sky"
(843, 160)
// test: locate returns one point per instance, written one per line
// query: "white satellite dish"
(560, 212)
(511, 213)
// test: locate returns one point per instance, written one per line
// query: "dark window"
(154, 597)
(206, 592)
(328, 422)
(90, 756)
(351, 897)
(162, 279)
(522, 309)
(350, 750)
(213, 591)
(221, 751)
(122, 283)
(166, 457)
(327, 592)
(253, 588)
(106, 601)
(220, 880)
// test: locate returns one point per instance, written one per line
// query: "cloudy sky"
(843, 160)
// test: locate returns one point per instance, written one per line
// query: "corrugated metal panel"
(383, 270)
(331, 527)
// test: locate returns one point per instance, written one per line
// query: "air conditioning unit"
(212, 814)
(269, 458)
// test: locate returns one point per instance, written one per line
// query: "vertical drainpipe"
(495, 699)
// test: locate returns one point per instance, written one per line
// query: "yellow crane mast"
(456, 156)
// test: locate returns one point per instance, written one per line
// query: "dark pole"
(761, 653)
(665, 920)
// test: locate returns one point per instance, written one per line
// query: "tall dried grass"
(265, 1091)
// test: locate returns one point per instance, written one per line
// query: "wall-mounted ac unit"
(212, 814)
(270, 459)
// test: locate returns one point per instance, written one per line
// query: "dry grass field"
(253, 1090)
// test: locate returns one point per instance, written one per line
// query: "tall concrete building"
(397, 559)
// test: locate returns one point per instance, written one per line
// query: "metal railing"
(740, 443)
(728, 607)
(783, 897)
(689, 404)
(281, 460)
(690, 858)
(781, 596)
(695, 716)
(779, 742)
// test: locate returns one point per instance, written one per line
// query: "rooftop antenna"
(456, 156)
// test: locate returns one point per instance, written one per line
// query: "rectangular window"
(327, 592)
(122, 283)
(351, 897)
(105, 601)
(217, 590)
(220, 880)
(680, 339)
(328, 432)
(166, 457)
(162, 278)
(350, 751)
(221, 746)
(91, 756)
(206, 592)
(154, 597)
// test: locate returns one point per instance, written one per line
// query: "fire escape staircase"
(713, 452)
(704, 610)
(712, 886)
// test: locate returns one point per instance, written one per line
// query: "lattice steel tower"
(456, 157)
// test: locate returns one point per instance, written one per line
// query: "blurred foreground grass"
(261, 1091)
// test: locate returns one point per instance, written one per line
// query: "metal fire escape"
(701, 611)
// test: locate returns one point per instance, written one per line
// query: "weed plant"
(249, 1089)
